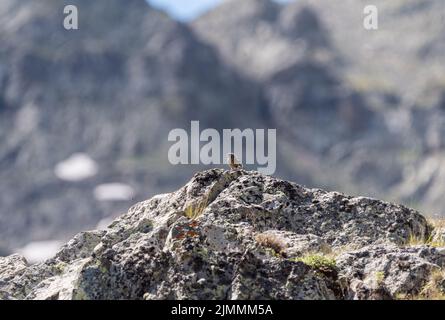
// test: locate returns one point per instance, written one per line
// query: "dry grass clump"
(435, 224)
(272, 242)
(435, 288)
(416, 240)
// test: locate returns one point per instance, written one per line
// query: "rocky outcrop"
(238, 235)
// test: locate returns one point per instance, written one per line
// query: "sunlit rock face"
(238, 235)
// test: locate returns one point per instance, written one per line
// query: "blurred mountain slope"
(262, 37)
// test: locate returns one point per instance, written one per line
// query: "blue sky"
(186, 10)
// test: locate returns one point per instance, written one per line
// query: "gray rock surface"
(158, 251)
(354, 110)
(361, 112)
(384, 271)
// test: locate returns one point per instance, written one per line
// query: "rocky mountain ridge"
(240, 235)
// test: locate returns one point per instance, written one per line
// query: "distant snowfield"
(39, 251)
(114, 192)
(77, 167)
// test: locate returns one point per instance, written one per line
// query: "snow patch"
(77, 167)
(114, 192)
(39, 251)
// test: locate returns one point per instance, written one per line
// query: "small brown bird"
(233, 162)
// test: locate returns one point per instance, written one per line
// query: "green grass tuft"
(318, 261)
